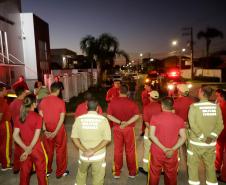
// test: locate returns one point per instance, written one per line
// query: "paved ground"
(7, 178)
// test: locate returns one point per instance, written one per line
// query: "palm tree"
(208, 35)
(88, 46)
(102, 49)
(107, 49)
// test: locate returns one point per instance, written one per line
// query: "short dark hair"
(219, 91)
(88, 96)
(223, 94)
(167, 102)
(36, 84)
(19, 90)
(124, 89)
(2, 87)
(207, 91)
(92, 105)
(54, 87)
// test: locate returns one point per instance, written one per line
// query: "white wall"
(29, 51)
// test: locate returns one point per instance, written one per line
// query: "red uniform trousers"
(169, 166)
(220, 162)
(124, 136)
(18, 151)
(223, 169)
(39, 158)
(220, 150)
(5, 143)
(60, 142)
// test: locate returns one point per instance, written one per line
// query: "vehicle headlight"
(189, 86)
(170, 86)
(147, 80)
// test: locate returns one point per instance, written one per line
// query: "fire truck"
(166, 81)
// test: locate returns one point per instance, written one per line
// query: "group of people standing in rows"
(38, 130)
(169, 125)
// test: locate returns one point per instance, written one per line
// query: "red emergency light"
(173, 73)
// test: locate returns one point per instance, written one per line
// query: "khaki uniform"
(91, 129)
(205, 120)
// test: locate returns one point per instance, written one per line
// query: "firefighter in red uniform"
(113, 92)
(123, 112)
(181, 107)
(27, 135)
(53, 110)
(145, 101)
(183, 102)
(5, 132)
(14, 113)
(82, 108)
(167, 132)
(220, 162)
(20, 83)
(153, 108)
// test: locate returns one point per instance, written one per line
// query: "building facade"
(24, 44)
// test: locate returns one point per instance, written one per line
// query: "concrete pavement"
(7, 178)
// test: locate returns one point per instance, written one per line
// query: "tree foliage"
(103, 50)
(208, 35)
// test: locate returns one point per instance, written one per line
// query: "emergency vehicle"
(166, 81)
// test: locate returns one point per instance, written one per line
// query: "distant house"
(67, 59)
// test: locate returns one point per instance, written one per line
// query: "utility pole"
(188, 31)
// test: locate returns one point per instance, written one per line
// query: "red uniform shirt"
(83, 109)
(112, 93)
(20, 84)
(4, 109)
(123, 109)
(167, 130)
(14, 108)
(223, 110)
(182, 105)
(27, 129)
(151, 109)
(145, 97)
(52, 107)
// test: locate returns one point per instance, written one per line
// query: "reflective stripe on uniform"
(213, 134)
(201, 137)
(204, 103)
(190, 152)
(7, 143)
(46, 156)
(145, 137)
(193, 182)
(103, 165)
(211, 183)
(145, 160)
(93, 158)
(202, 144)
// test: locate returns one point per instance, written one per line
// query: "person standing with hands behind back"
(167, 132)
(27, 135)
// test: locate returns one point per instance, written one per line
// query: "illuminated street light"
(152, 59)
(183, 50)
(141, 54)
(174, 42)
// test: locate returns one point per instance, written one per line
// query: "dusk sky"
(139, 25)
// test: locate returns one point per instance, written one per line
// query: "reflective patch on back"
(208, 110)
